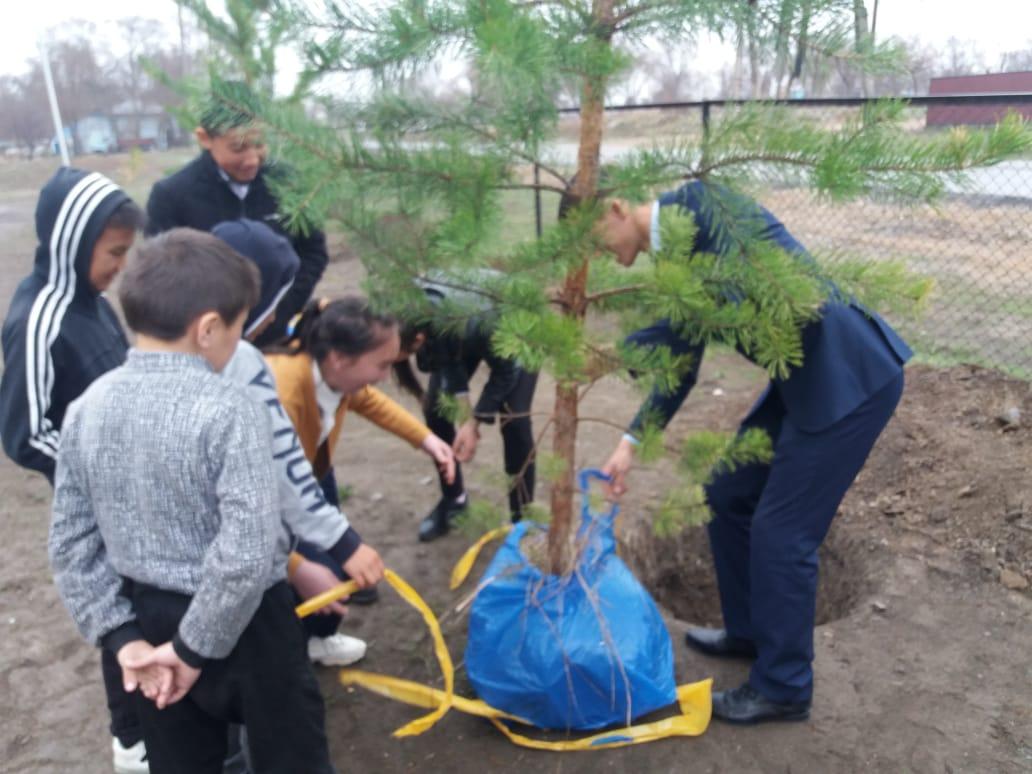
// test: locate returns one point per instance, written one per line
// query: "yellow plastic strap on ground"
(695, 703)
(465, 563)
(419, 695)
(693, 699)
(444, 699)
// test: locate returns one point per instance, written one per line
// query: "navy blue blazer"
(849, 353)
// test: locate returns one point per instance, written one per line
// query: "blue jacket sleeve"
(661, 406)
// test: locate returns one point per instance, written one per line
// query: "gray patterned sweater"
(164, 476)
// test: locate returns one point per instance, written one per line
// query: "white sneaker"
(129, 760)
(336, 650)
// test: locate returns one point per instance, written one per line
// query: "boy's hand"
(617, 467)
(164, 656)
(465, 445)
(364, 566)
(441, 453)
(311, 578)
(153, 681)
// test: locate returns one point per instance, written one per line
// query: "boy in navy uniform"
(769, 519)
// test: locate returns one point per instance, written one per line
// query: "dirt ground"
(921, 653)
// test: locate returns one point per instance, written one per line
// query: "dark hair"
(127, 215)
(175, 277)
(348, 325)
(232, 104)
(403, 371)
(569, 200)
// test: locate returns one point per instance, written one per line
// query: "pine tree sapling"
(425, 187)
(450, 170)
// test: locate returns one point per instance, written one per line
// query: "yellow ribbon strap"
(319, 601)
(465, 563)
(419, 725)
(694, 701)
(406, 592)
(419, 695)
(693, 698)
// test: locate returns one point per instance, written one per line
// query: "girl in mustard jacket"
(335, 354)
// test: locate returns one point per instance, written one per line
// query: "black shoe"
(745, 705)
(717, 642)
(363, 597)
(438, 521)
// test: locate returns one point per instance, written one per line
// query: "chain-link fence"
(975, 243)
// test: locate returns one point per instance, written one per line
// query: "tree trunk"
(737, 90)
(862, 41)
(574, 293)
(800, 57)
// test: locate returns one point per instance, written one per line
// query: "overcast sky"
(994, 26)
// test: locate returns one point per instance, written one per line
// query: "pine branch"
(592, 298)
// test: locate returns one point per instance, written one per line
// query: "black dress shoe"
(438, 521)
(717, 642)
(745, 705)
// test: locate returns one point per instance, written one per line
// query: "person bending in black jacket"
(451, 358)
(229, 180)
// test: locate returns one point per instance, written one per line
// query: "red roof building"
(985, 112)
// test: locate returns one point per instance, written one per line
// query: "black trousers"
(517, 439)
(125, 725)
(265, 684)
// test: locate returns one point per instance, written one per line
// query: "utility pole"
(54, 110)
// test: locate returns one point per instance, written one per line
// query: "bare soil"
(921, 653)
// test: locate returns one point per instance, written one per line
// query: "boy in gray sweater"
(166, 542)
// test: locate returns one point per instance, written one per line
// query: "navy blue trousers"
(769, 521)
(322, 625)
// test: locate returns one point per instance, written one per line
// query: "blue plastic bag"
(580, 652)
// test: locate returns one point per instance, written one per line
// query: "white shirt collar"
(654, 228)
(328, 401)
(240, 189)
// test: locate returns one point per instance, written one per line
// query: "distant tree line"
(93, 74)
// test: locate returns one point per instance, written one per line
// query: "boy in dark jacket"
(59, 336)
(229, 180)
(451, 357)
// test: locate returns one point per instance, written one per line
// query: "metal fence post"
(537, 199)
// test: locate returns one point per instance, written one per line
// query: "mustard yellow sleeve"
(392, 417)
(293, 562)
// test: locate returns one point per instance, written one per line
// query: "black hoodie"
(274, 256)
(60, 334)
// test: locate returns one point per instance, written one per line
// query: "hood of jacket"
(274, 256)
(73, 209)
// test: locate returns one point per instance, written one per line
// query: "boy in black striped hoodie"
(59, 336)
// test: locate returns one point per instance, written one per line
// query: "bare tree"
(671, 73)
(961, 57)
(1017, 61)
(637, 84)
(141, 37)
(24, 116)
